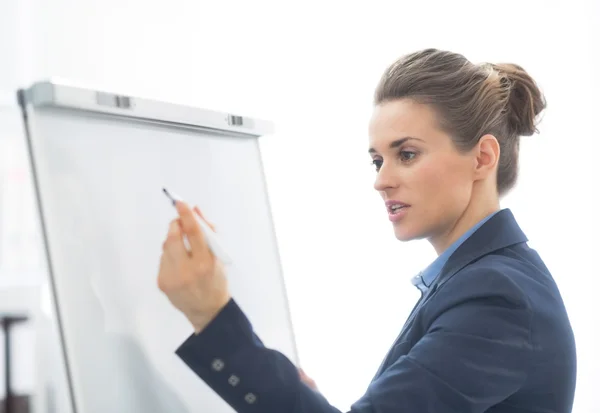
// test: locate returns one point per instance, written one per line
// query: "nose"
(385, 179)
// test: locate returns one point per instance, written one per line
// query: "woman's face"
(426, 183)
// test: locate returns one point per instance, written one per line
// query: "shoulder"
(492, 276)
(488, 295)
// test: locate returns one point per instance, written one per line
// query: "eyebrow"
(397, 143)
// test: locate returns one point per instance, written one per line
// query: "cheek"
(445, 181)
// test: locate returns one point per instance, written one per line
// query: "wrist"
(201, 320)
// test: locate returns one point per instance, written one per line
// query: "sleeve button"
(234, 380)
(250, 398)
(217, 365)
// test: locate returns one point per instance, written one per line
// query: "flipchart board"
(99, 162)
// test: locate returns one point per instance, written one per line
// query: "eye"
(407, 156)
(377, 163)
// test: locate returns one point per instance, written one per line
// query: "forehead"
(403, 118)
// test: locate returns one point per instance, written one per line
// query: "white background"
(311, 67)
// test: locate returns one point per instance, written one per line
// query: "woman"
(490, 332)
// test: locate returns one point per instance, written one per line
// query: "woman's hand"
(307, 380)
(194, 280)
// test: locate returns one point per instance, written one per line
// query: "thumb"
(197, 211)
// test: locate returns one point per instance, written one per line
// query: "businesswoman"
(490, 332)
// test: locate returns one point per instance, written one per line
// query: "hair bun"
(525, 101)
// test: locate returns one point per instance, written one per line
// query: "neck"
(478, 209)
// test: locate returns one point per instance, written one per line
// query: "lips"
(396, 210)
(395, 206)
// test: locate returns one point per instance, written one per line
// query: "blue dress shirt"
(425, 278)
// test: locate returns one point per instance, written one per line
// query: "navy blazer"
(490, 335)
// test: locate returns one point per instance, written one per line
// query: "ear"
(487, 156)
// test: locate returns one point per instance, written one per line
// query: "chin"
(406, 234)
(408, 230)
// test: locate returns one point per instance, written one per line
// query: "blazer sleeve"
(474, 355)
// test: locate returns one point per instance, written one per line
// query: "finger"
(307, 380)
(163, 281)
(304, 377)
(197, 211)
(174, 245)
(191, 228)
(310, 383)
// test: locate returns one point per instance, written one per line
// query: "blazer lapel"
(501, 231)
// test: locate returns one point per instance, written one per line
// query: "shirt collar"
(425, 278)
